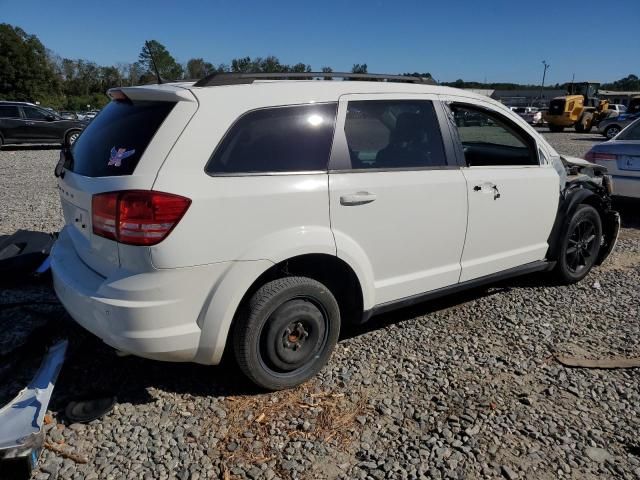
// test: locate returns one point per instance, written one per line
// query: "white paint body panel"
(511, 230)
(176, 300)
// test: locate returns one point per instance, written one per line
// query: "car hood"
(581, 163)
(581, 170)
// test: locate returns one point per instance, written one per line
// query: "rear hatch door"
(121, 149)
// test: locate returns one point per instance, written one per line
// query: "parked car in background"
(257, 217)
(531, 115)
(22, 122)
(618, 108)
(91, 115)
(621, 157)
(610, 127)
(69, 115)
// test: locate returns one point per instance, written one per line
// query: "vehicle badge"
(117, 156)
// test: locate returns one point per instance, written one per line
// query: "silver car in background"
(621, 157)
(611, 126)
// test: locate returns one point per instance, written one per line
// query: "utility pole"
(544, 75)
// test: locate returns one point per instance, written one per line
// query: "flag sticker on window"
(117, 156)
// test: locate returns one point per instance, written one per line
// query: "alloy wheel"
(581, 246)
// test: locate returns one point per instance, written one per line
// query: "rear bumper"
(153, 314)
(626, 186)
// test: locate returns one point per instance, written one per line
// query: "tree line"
(31, 72)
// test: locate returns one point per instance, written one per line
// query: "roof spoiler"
(164, 93)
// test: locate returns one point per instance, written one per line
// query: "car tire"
(556, 128)
(611, 131)
(286, 332)
(585, 123)
(71, 137)
(581, 240)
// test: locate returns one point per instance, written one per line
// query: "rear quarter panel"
(245, 217)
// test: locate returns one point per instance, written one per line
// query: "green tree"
(327, 70)
(167, 66)
(419, 75)
(630, 83)
(359, 68)
(25, 70)
(197, 68)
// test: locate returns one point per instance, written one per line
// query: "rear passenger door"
(513, 197)
(398, 200)
(10, 123)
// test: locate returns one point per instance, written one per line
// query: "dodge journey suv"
(255, 214)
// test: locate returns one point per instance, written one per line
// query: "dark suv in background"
(22, 122)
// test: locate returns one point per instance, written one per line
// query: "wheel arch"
(330, 270)
(243, 279)
(569, 203)
(69, 130)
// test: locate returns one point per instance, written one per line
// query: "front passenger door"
(39, 125)
(513, 198)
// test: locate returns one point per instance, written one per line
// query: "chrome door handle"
(31, 123)
(488, 188)
(359, 198)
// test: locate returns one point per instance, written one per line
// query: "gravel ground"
(465, 387)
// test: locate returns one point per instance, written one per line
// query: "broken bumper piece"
(21, 420)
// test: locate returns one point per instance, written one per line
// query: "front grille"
(556, 107)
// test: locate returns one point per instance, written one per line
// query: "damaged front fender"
(583, 182)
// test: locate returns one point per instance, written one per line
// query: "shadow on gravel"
(629, 209)
(426, 308)
(15, 148)
(94, 370)
(589, 139)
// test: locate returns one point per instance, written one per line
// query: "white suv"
(258, 213)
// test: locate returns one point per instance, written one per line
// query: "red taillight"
(594, 156)
(137, 217)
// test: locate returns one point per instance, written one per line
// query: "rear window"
(281, 139)
(113, 143)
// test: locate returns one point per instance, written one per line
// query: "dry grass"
(259, 419)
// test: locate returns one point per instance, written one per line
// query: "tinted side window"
(393, 134)
(9, 111)
(33, 113)
(488, 138)
(282, 139)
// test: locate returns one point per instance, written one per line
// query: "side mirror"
(50, 117)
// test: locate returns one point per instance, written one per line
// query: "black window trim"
(341, 163)
(271, 173)
(527, 138)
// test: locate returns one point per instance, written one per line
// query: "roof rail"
(245, 78)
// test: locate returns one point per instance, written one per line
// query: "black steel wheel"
(581, 244)
(286, 332)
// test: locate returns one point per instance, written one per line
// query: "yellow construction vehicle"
(580, 108)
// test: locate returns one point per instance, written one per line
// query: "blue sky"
(496, 40)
